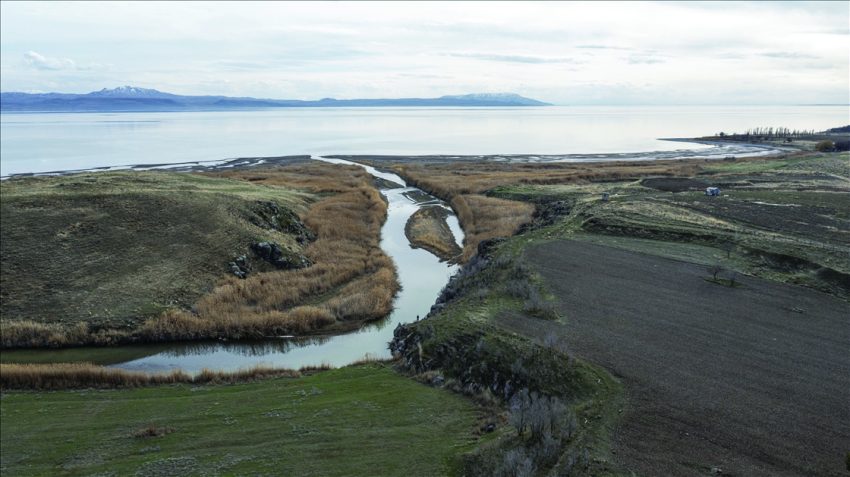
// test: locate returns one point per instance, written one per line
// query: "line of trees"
(772, 133)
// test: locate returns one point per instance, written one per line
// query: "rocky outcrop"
(279, 257)
(269, 215)
(240, 266)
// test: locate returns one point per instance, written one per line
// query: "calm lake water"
(61, 141)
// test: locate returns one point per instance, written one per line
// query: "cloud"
(513, 58)
(42, 62)
(602, 47)
(791, 55)
(645, 60)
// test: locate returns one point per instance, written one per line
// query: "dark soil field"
(779, 212)
(751, 380)
(673, 184)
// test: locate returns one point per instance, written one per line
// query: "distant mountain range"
(130, 98)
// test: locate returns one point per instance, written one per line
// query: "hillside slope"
(113, 249)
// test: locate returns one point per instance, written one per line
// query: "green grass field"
(359, 420)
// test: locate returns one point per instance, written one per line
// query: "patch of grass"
(363, 420)
(836, 164)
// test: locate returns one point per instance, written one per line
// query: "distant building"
(605, 196)
(712, 191)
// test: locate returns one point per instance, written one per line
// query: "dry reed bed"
(351, 279)
(446, 180)
(488, 217)
(85, 375)
(482, 217)
(347, 261)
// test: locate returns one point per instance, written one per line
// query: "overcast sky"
(566, 53)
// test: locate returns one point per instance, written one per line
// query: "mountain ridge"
(132, 98)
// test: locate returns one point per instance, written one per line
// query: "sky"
(568, 53)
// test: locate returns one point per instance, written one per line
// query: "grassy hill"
(113, 249)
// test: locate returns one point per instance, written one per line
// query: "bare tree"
(728, 246)
(714, 270)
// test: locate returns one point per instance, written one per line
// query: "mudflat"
(751, 380)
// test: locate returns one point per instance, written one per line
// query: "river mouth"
(421, 274)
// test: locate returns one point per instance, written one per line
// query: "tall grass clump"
(32, 334)
(485, 217)
(85, 375)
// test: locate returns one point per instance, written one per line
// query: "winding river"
(421, 274)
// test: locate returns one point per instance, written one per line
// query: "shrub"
(152, 430)
(541, 415)
(540, 307)
(825, 146)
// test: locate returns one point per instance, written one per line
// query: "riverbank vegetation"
(427, 228)
(58, 376)
(337, 422)
(85, 261)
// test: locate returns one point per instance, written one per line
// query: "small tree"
(714, 270)
(519, 407)
(728, 246)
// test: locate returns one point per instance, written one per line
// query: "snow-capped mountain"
(130, 92)
(507, 98)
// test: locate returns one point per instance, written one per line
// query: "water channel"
(421, 274)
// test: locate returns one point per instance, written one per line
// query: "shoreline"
(720, 150)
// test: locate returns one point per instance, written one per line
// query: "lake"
(41, 142)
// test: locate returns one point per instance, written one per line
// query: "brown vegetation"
(351, 280)
(347, 261)
(427, 228)
(86, 375)
(446, 180)
(152, 430)
(462, 183)
(485, 217)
